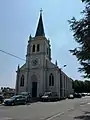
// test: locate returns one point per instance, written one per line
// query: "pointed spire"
(18, 68)
(56, 63)
(30, 37)
(40, 28)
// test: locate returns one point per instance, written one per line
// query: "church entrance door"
(34, 89)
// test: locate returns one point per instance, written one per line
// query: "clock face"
(35, 62)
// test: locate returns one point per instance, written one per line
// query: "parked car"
(15, 100)
(49, 96)
(88, 94)
(1, 98)
(27, 95)
(83, 95)
(71, 96)
(77, 95)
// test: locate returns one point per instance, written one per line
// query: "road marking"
(54, 116)
(88, 103)
(82, 103)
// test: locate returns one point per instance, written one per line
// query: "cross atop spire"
(40, 28)
(41, 11)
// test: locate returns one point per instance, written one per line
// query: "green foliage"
(86, 1)
(81, 34)
(81, 86)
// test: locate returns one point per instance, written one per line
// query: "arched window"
(22, 81)
(51, 80)
(33, 48)
(38, 47)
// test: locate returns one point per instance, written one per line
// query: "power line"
(11, 55)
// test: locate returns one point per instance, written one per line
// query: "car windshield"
(1, 96)
(24, 93)
(47, 93)
(14, 97)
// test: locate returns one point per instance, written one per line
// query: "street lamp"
(63, 66)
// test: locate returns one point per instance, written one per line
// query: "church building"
(39, 74)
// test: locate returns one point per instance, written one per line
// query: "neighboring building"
(39, 74)
(7, 92)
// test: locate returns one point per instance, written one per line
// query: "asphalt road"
(77, 109)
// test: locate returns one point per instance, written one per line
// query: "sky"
(19, 18)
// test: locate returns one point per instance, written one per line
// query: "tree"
(81, 86)
(78, 86)
(86, 1)
(81, 34)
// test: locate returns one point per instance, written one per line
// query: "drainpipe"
(17, 81)
(60, 83)
(27, 75)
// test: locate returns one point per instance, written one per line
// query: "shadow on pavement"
(83, 117)
(86, 116)
(87, 112)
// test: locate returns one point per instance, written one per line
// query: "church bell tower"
(38, 48)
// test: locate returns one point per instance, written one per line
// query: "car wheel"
(25, 103)
(13, 103)
(48, 100)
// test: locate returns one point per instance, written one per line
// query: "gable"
(50, 65)
(23, 67)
